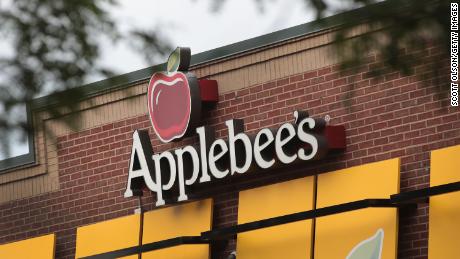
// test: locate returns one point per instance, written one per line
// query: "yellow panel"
(374, 180)
(366, 232)
(285, 241)
(37, 248)
(179, 252)
(108, 236)
(189, 219)
(130, 257)
(445, 166)
(444, 215)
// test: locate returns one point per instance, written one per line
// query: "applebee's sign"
(170, 96)
(213, 159)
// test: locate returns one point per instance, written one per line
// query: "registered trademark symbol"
(327, 118)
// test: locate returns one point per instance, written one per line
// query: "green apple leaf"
(370, 248)
(174, 61)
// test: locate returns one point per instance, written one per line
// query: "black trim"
(275, 221)
(395, 200)
(185, 240)
(425, 192)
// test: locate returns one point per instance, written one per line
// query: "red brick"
(310, 74)
(388, 117)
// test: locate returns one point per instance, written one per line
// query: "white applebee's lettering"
(172, 167)
(194, 165)
(281, 141)
(204, 164)
(140, 167)
(244, 139)
(307, 138)
(217, 158)
(220, 146)
(266, 137)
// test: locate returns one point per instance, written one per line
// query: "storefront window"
(16, 144)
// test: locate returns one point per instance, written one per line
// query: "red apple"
(170, 104)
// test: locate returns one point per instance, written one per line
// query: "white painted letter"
(194, 166)
(213, 158)
(258, 148)
(280, 142)
(204, 164)
(244, 139)
(307, 138)
(172, 167)
(140, 167)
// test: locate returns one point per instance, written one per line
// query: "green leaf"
(370, 248)
(174, 61)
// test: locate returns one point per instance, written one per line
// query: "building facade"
(401, 136)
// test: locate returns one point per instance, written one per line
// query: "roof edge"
(212, 55)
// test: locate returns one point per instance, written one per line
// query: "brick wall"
(386, 117)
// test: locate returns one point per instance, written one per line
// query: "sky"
(190, 23)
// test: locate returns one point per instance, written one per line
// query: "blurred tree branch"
(402, 34)
(56, 44)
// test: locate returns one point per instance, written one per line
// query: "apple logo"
(173, 98)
